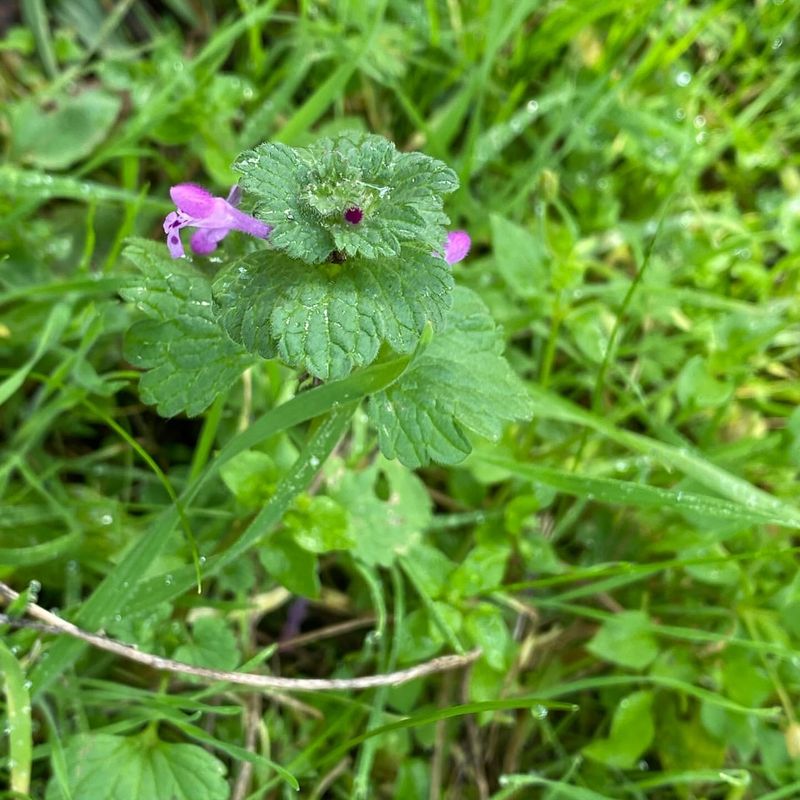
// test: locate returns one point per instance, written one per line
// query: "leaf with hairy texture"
(460, 382)
(328, 319)
(189, 358)
(305, 194)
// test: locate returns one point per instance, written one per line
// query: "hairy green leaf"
(188, 356)
(304, 193)
(330, 318)
(460, 382)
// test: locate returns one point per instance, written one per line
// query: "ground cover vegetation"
(569, 460)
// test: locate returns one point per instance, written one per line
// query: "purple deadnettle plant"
(357, 276)
(214, 218)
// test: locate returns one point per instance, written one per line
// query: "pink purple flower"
(354, 215)
(457, 246)
(214, 218)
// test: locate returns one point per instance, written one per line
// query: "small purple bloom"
(457, 246)
(214, 218)
(354, 215)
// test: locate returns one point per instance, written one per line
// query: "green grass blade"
(691, 463)
(18, 709)
(119, 585)
(638, 495)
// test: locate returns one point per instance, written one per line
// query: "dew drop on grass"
(683, 78)
(777, 43)
(540, 712)
(532, 106)
(699, 121)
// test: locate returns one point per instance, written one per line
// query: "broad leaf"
(631, 734)
(625, 639)
(62, 131)
(461, 382)
(522, 258)
(319, 524)
(305, 194)
(290, 565)
(212, 645)
(382, 528)
(189, 357)
(328, 319)
(103, 767)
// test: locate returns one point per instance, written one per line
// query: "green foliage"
(331, 318)
(189, 358)
(624, 556)
(304, 193)
(625, 639)
(631, 733)
(382, 527)
(105, 767)
(290, 565)
(423, 417)
(212, 645)
(63, 131)
(522, 260)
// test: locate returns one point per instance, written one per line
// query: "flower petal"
(192, 199)
(174, 243)
(205, 240)
(172, 220)
(240, 221)
(457, 246)
(234, 195)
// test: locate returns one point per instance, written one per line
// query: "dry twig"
(50, 623)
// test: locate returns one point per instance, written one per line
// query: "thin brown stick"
(331, 778)
(323, 633)
(55, 625)
(475, 745)
(252, 718)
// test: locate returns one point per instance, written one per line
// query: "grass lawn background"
(626, 560)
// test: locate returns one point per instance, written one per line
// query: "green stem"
(552, 342)
(367, 755)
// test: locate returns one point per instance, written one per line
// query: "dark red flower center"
(354, 215)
